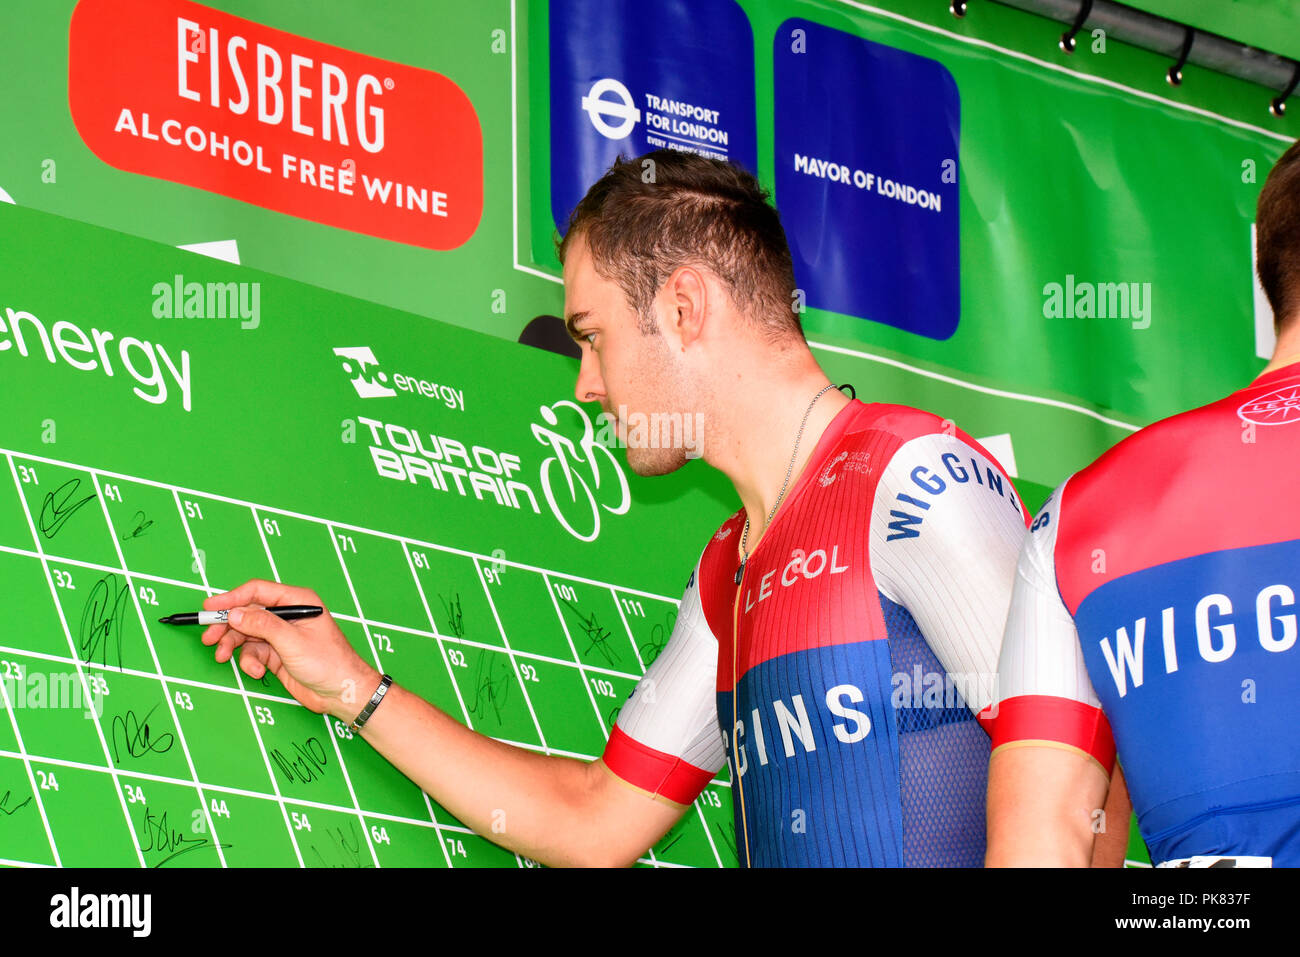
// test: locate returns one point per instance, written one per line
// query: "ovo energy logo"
(360, 363)
(371, 382)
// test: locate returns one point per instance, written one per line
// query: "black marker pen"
(287, 612)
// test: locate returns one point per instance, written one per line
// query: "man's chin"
(647, 462)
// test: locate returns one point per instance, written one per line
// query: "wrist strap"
(372, 704)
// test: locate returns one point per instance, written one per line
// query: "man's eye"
(590, 339)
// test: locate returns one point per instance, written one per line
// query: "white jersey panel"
(674, 708)
(1040, 650)
(944, 541)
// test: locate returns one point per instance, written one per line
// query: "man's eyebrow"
(573, 320)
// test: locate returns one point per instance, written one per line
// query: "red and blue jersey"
(838, 680)
(1155, 615)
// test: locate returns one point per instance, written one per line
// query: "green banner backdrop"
(385, 175)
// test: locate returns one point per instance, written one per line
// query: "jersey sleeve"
(666, 740)
(946, 527)
(1044, 694)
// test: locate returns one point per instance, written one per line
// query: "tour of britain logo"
(686, 83)
(1279, 407)
(578, 475)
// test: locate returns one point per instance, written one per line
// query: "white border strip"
(988, 390)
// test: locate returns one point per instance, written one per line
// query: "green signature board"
(150, 461)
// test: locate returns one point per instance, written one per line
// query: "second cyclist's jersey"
(1155, 613)
(839, 678)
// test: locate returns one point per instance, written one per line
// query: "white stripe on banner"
(987, 390)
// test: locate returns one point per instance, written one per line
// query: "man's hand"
(310, 656)
(560, 810)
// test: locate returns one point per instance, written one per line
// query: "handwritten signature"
(137, 737)
(55, 510)
(159, 836)
(348, 846)
(493, 688)
(141, 523)
(728, 835)
(307, 766)
(659, 636)
(101, 619)
(4, 803)
(672, 837)
(455, 616)
(599, 636)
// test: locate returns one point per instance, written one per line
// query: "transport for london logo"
(613, 119)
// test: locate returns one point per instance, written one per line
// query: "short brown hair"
(650, 215)
(1277, 238)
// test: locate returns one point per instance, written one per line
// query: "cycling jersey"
(1154, 611)
(866, 627)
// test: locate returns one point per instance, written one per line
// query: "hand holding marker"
(284, 612)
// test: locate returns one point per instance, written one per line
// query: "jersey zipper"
(735, 694)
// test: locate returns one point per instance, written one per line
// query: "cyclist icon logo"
(581, 479)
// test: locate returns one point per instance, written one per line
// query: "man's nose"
(589, 387)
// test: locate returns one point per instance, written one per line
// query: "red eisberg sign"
(186, 93)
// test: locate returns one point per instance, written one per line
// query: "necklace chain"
(744, 536)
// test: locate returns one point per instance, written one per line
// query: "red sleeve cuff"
(1035, 717)
(654, 771)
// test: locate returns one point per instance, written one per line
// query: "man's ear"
(687, 292)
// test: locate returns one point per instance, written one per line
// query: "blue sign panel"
(628, 78)
(866, 177)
